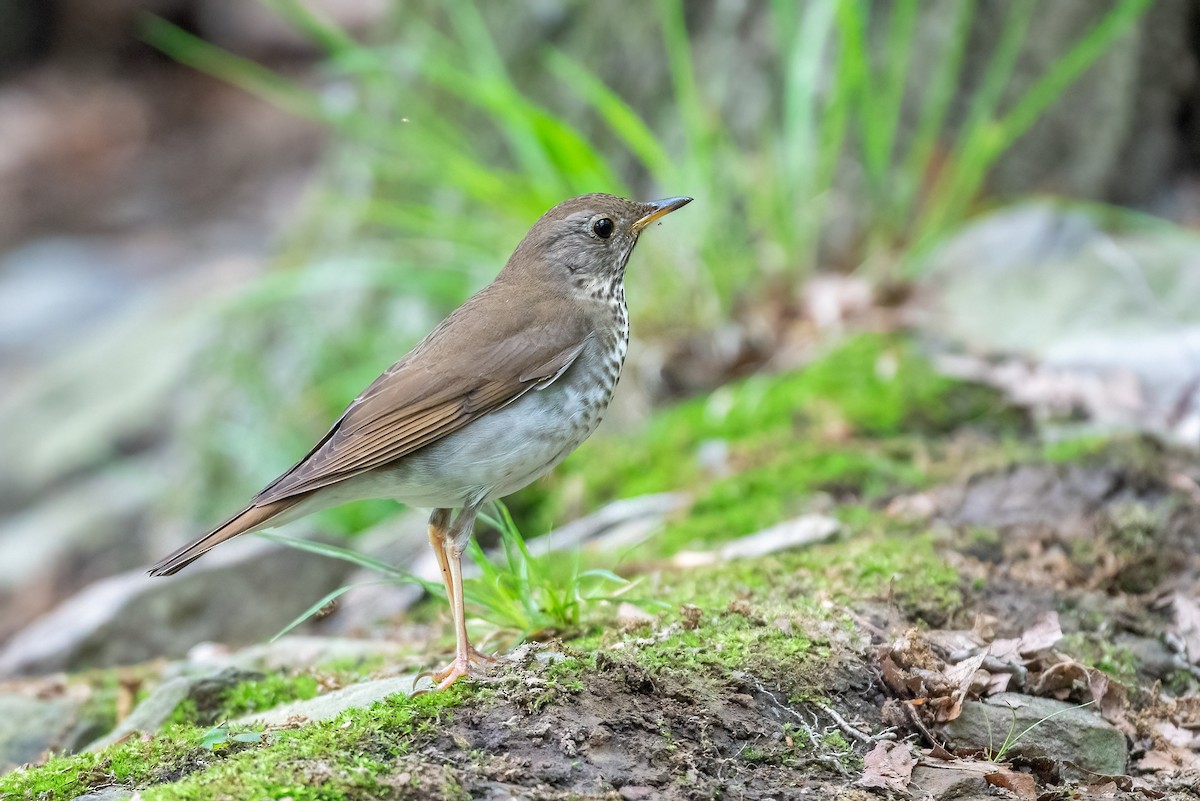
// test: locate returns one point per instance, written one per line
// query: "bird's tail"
(251, 518)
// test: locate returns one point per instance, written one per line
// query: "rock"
(31, 726)
(330, 705)
(617, 524)
(804, 530)
(242, 593)
(631, 616)
(1042, 727)
(949, 781)
(74, 410)
(1105, 317)
(285, 654)
(107, 794)
(79, 532)
(52, 289)
(401, 541)
(150, 714)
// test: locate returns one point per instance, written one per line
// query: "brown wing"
(479, 359)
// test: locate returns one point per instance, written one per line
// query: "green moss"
(334, 759)
(255, 696)
(875, 558)
(760, 497)
(245, 697)
(1103, 654)
(729, 641)
(1075, 449)
(100, 709)
(871, 386)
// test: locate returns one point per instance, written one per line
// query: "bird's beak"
(659, 208)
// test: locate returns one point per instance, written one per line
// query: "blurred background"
(220, 219)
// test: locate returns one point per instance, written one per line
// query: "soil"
(626, 734)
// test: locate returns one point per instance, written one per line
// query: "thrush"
(492, 399)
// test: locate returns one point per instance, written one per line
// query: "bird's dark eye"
(603, 227)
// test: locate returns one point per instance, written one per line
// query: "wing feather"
(424, 397)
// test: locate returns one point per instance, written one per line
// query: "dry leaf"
(1042, 635)
(1022, 785)
(888, 766)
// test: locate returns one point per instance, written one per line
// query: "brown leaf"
(1171, 761)
(893, 677)
(1109, 696)
(888, 766)
(1022, 785)
(1044, 634)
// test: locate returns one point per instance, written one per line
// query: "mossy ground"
(726, 687)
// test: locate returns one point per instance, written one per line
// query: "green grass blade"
(1052, 83)
(916, 169)
(325, 34)
(966, 167)
(348, 555)
(325, 601)
(989, 138)
(244, 73)
(615, 113)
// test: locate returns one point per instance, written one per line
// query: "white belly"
(492, 457)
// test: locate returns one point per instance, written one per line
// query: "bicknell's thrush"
(492, 399)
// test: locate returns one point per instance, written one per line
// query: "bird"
(492, 399)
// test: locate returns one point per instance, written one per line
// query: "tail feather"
(249, 519)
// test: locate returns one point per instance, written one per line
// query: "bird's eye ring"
(603, 228)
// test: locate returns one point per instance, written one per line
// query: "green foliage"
(221, 736)
(531, 596)
(526, 595)
(246, 697)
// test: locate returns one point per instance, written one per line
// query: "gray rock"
(242, 593)
(84, 516)
(53, 288)
(400, 541)
(150, 714)
(31, 726)
(107, 794)
(1108, 318)
(330, 705)
(285, 654)
(1041, 727)
(949, 782)
(68, 414)
(794, 533)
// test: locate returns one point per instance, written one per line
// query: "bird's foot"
(457, 669)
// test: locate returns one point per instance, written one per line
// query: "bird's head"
(584, 243)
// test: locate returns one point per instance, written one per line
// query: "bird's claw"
(457, 669)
